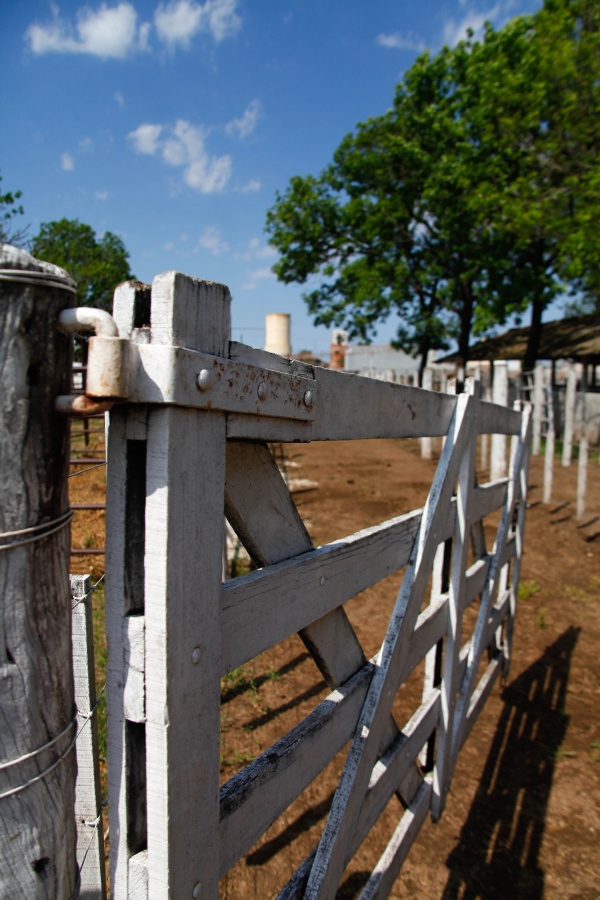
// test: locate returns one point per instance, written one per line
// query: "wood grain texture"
(88, 794)
(183, 555)
(38, 835)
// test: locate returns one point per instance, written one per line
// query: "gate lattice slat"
(177, 457)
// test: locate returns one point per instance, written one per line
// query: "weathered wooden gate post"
(37, 712)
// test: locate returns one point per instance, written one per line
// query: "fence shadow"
(498, 852)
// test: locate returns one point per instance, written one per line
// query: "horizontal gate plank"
(262, 608)
(387, 774)
(252, 799)
(347, 407)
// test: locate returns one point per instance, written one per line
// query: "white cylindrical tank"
(277, 333)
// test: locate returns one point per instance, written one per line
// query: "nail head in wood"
(196, 657)
(262, 391)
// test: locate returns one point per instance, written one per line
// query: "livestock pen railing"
(188, 440)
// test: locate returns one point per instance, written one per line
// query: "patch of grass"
(541, 618)
(596, 751)
(564, 754)
(527, 589)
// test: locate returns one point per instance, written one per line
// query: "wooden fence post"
(499, 396)
(88, 797)
(538, 407)
(427, 442)
(550, 437)
(569, 417)
(37, 711)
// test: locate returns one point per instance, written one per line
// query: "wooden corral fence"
(188, 438)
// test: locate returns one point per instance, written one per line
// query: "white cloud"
(179, 21)
(184, 146)
(255, 277)
(474, 21)
(102, 195)
(246, 124)
(398, 41)
(210, 239)
(109, 32)
(86, 144)
(256, 250)
(223, 19)
(146, 138)
(168, 246)
(67, 162)
(251, 187)
(119, 99)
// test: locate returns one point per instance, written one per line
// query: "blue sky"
(174, 123)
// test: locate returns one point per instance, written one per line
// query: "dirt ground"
(523, 815)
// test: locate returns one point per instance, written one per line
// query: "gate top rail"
(266, 397)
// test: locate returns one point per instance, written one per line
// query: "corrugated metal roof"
(577, 338)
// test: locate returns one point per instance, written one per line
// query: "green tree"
(390, 225)
(97, 265)
(531, 101)
(473, 199)
(10, 208)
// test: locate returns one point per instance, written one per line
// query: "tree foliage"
(97, 265)
(472, 199)
(10, 208)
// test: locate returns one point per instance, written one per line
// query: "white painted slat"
(516, 494)
(88, 795)
(124, 594)
(353, 407)
(480, 695)
(265, 606)
(184, 499)
(329, 859)
(487, 498)
(138, 876)
(386, 870)
(442, 773)
(134, 689)
(499, 419)
(252, 799)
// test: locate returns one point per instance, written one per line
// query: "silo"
(277, 333)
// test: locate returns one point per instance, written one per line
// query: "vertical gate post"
(165, 483)
(37, 711)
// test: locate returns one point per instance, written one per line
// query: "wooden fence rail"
(188, 439)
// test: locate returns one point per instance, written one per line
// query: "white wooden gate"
(192, 441)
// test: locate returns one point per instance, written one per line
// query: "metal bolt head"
(196, 655)
(262, 391)
(308, 399)
(322, 580)
(197, 890)
(203, 380)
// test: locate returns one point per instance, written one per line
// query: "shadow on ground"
(498, 852)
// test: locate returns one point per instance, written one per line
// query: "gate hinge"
(119, 370)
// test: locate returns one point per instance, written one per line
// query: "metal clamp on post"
(107, 372)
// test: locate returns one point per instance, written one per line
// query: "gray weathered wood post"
(37, 710)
